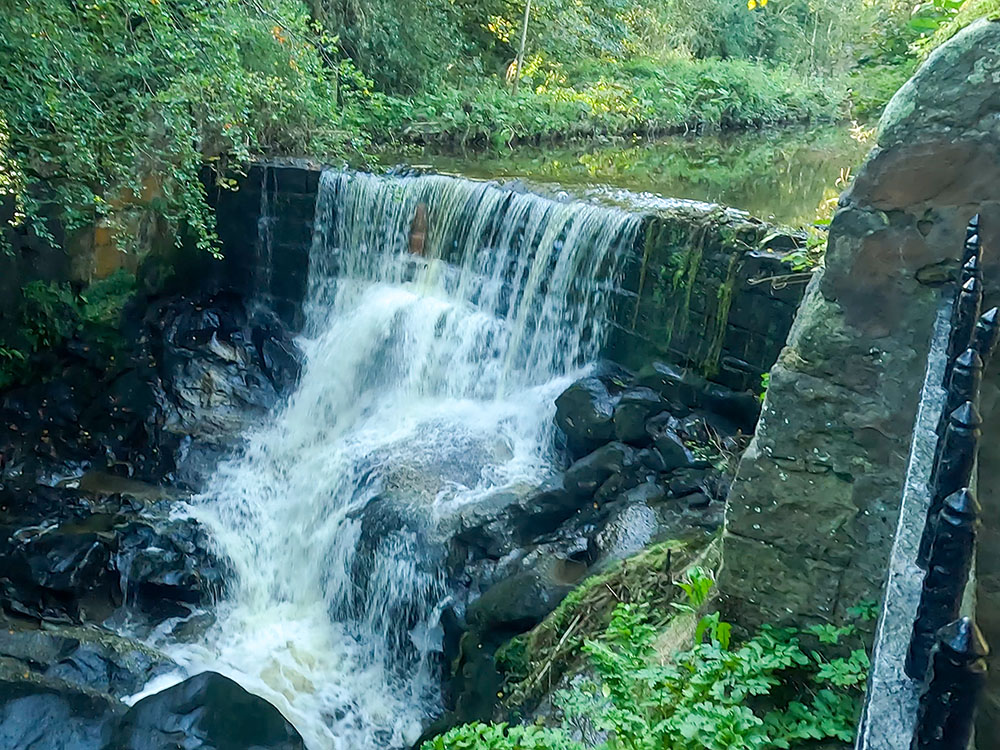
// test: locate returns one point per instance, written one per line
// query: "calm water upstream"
(782, 175)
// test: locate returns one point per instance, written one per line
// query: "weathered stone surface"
(43, 713)
(817, 494)
(89, 657)
(693, 293)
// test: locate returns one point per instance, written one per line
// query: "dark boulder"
(585, 413)
(676, 386)
(208, 712)
(88, 657)
(684, 482)
(741, 409)
(165, 566)
(66, 556)
(584, 477)
(631, 413)
(675, 454)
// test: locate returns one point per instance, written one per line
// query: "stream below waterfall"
(429, 383)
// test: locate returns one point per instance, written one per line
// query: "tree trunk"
(520, 51)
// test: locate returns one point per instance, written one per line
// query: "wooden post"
(520, 51)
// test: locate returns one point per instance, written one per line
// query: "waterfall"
(431, 369)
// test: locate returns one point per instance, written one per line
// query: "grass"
(643, 97)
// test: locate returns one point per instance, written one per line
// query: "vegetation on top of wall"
(112, 107)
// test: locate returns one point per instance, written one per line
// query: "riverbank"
(645, 97)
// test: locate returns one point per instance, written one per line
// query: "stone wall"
(814, 507)
(266, 233)
(702, 290)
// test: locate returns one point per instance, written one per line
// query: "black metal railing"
(947, 653)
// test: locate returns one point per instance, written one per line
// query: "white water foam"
(429, 381)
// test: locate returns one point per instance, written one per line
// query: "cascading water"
(429, 381)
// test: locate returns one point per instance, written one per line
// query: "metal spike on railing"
(953, 469)
(986, 335)
(951, 688)
(963, 321)
(971, 270)
(973, 246)
(963, 385)
(947, 576)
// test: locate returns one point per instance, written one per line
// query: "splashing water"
(429, 381)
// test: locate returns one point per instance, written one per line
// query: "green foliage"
(501, 737)
(48, 314)
(539, 657)
(665, 96)
(696, 585)
(110, 108)
(768, 692)
(971, 10)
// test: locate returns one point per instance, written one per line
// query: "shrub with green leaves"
(111, 107)
(501, 737)
(770, 691)
(767, 692)
(48, 314)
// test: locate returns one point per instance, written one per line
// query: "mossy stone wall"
(703, 290)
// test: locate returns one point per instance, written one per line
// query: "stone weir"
(704, 286)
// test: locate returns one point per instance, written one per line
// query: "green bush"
(770, 691)
(49, 314)
(112, 107)
(501, 737)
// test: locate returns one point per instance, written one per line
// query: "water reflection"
(783, 175)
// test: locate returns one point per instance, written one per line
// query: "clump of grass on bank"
(641, 97)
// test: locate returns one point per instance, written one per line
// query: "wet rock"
(165, 567)
(519, 602)
(740, 409)
(628, 530)
(672, 384)
(44, 713)
(685, 482)
(584, 477)
(652, 460)
(205, 711)
(190, 375)
(698, 500)
(636, 405)
(673, 451)
(90, 658)
(585, 412)
(90, 554)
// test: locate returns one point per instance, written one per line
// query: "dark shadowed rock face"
(207, 712)
(193, 375)
(42, 713)
(66, 556)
